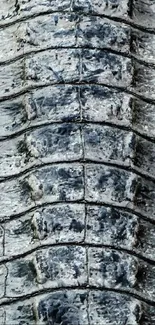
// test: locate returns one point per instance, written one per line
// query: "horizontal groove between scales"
(64, 182)
(76, 66)
(66, 30)
(80, 298)
(64, 142)
(116, 12)
(73, 104)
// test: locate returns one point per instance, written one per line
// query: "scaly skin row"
(77, 148)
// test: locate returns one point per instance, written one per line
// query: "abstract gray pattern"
(77, 162)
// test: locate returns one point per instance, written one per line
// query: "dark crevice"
(17, 7)
(124, 208)
(133, 294)
(134, 109)
(129, 55)
(117, 165)
(49, 123)
(134, 252)
(130, 9)
(129, 21)
(84, 121)
(126, 90)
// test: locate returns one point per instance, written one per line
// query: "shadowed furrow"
(74, 306)
(62, 142)
(95, 226)
(118, 10)
(72, 104)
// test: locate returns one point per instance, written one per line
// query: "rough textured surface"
(77, 170)
(41, 33)
(65, 66)
(48, 184)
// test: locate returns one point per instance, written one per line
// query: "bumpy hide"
(77, 162)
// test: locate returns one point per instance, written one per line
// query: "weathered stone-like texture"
(65, 103)
(65, 66)
(58, 143)
(77, 171)
(112, 227)
(144, 45)
(144, 12)
(48, 268)
(45, 185)
(70, 307)
(51, 225)
(45, 145)
(31, 7)
(62, 30)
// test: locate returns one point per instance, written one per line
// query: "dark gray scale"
(66, 308)
(48, 184)
(114, 309)
(64, 222)
(143, 118)
(142, 44)
(120, 187)
(109, 185)
(110, 226)
(113, 227)
(50, 268)
(144, 156)
(142, 73)
(57, 103)
(109, 268)
(100, 32)
(108, 144)
(56, 141)
(70, 307)
(106, 68)
(101, 104)
(62, 266)
(109, 7)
